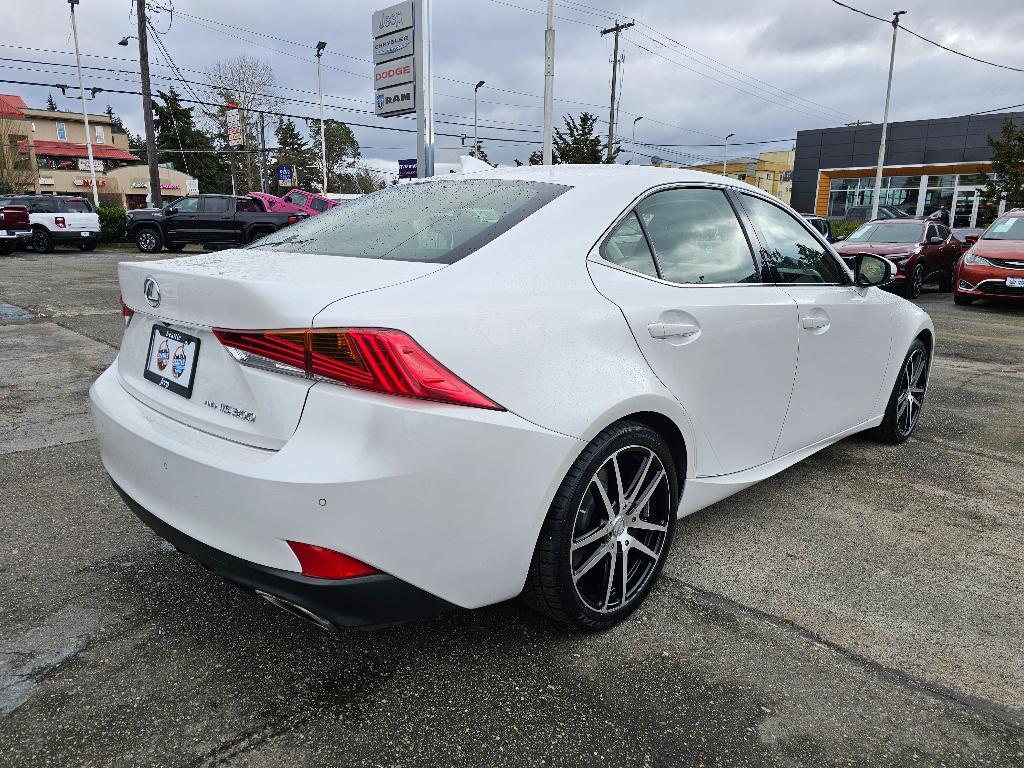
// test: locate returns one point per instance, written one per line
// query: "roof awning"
(71, 149)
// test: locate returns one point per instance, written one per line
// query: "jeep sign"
(391, 73)
(393, 19)
(395, 101)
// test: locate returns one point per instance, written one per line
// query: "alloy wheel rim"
(913, 381)
(38, 241)
(918, 280)
(620, 529)
(146, 240)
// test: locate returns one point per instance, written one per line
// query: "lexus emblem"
(151, 289)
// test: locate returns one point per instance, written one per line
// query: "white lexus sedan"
(513, 382)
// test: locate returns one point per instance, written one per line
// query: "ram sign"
(395, 101)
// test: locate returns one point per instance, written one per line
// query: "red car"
(14, 227)
(922, 250)
(994, 266)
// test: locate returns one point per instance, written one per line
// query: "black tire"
(256, 234)
(89, 246)
(962, 301)
(7, 247)
(895, 428)
(946, 281)
(550, 586)
(149, 240)
(175, 247)
(915, 281)
(42, 241)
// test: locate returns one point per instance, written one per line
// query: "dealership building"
(928, 163)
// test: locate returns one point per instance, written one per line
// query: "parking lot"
(862, 608)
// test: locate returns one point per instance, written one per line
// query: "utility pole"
(263, 152)
(85, 111)
(155, 199)
(614, 78)
(885, 117)
(549, 80)
(323, 134)
(476, 137)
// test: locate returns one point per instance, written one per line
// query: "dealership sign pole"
(401, 74)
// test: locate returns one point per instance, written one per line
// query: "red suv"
(922, 250)
(994, 266)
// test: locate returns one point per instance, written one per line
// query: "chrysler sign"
(392, 46)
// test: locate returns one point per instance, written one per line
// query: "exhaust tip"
(297, 610)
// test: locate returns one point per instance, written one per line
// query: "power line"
(927, 40)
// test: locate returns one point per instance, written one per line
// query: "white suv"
(59, 219)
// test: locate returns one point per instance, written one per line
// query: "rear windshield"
(77, 206)
(1010, 228)
(434, 221)
(887, 233)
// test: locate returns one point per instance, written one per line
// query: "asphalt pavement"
(862, 608)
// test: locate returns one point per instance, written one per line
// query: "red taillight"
(59, 221)
(323, 563)
(292, 219)
(126, 312)
(377, 359)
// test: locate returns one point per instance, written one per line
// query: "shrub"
(113, 224)
(844, 228)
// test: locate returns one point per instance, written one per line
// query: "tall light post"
(725, 155)
(476, 138)
(320, 92)
(85, 112)
(633, 142)
(885, 117)
(549, 80)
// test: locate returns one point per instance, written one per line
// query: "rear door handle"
(670, 330)
(814, 322)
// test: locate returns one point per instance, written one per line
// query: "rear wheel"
(42, 241)
(608, 531)
(256, 234)
(7, 247)
(963, 301)
(148, 240)
(946, 282)
(89, 246)
(907, 397)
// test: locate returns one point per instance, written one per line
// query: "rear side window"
(77, 206)
(435, 221)
(789, 252)
(696, 237)
(627, 247)
(297, 198)
(318, 205)
(216, 205)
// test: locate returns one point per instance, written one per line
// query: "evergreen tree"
(1008, 167)
(580, 144)
(292, 149)
(50, 103)
(342, 151)
(192, 150)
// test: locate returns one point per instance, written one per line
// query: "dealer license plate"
(85, 234)
(171, 362)
(1015, 282)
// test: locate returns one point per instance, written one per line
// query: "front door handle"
(671, 330)
(814, 322)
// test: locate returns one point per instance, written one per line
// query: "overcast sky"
(758, 70)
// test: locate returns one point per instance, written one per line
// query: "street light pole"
(633, 142)
(549, 80)
(85, 112)
(725, 155)
(885, 117)
(320, 92)
(476, 138)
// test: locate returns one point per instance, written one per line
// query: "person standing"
(941, 215)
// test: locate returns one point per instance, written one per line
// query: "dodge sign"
(396, 72)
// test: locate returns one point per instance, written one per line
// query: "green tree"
(292, 149)
(137, 143)
(1007, 167)
(50, 103)
(481, 154)
(188, 148)
(580, 142)
(342, 152)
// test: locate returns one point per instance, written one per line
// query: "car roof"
(902, 220)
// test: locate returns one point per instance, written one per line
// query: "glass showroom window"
(940, 192)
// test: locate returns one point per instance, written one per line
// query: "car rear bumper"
(74, 235)
(447, 499)
(15, 234)
(366, 602)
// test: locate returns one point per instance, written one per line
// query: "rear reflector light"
(59, 221)
(126, 312)
(292, 219)
(377, 359)
(323, 563)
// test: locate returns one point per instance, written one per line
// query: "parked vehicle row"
(15, 227)
(58, 219)
(207, 220)
(993, 268)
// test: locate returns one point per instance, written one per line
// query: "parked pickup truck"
(14, 226)
(59, 220)
(207, 220)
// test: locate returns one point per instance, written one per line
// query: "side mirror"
(170, 210)
(836, 239)
(872, 269)
(935, 241)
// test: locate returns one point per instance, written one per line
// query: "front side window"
(627, 247)
(62, 132)
(696, 237)
(435, 221)
(318, 205)
(186, 204)
(790, 253)
(297, 198)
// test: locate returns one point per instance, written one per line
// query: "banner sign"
(407, 169)
(233, 116)
(83, 164)
(286, 175)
